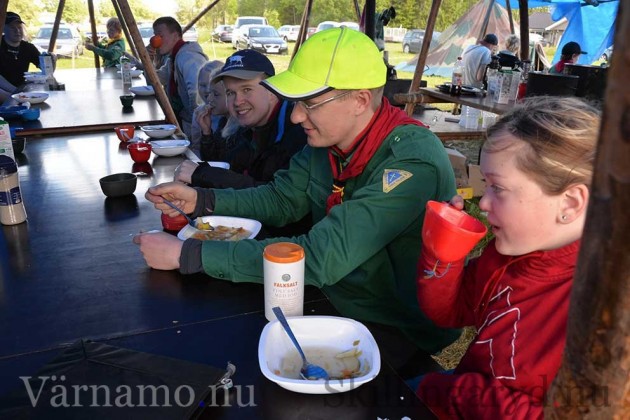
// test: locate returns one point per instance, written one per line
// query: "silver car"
(69, 42)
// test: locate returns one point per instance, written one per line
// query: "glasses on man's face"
(310, 108)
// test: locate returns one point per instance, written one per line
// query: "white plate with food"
(32, 97)
(142, 90)
(225, 228)
(344, 347)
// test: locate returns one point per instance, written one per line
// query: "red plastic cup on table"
(125, 132)
(450, 234)
(140, 152)
(173, 224)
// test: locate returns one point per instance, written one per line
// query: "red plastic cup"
(173, 224)
(450, 234)
(125, 132)
(140, 152)
(155, 41)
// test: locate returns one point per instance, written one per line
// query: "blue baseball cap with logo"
(245, 64)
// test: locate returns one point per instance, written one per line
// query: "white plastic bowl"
(35, 77)
(248, 224)
(316, 332)
(159, 131)
(142, 90)
(32, 97)
(169, 147)
(134, 72)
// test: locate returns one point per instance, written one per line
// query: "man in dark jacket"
(267, 140)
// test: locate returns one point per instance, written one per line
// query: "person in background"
(570, 55)
(476, 59)
(538, 163)
(16, 55)
(179, 74)
(267, 142)
(509, 56)
(206, 91)
(366, 174)
(114, 48)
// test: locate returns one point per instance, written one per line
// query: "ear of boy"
(574, 203)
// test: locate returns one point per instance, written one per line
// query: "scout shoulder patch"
(393, 178)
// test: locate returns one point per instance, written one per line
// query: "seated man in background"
(179, 74)
(570, 54)
(476, 59)
(366, 175)
(16, 55)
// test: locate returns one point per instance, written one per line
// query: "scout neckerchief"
(114, 39)
(172, 84)
(385, 119)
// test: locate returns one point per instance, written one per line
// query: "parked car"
(412, 41)
(311, 30)
(223, 33)
(263, 38)
(607, 54)
(327, 24)
(191, 35)
(146, 32)
(245, 20)
(69, 42)
(351, 25)
(289, 32)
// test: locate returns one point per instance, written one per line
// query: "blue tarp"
(590, 26)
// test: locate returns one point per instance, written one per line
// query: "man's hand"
(184, 171)
(179, 194)
(160, 250)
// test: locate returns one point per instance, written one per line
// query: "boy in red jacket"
(537, 162)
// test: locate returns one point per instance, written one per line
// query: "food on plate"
(221, 233)
(339, 365)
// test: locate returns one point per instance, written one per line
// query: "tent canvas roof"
(461, 34)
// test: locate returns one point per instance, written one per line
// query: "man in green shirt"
(366, 175)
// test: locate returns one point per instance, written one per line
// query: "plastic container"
(12, 209)
(125, 70)
(450, 234)
(283, 266)
(457, 79)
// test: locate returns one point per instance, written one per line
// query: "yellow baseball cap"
(338, 58)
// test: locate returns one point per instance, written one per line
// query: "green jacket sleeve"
(373, 215)
(113, 53)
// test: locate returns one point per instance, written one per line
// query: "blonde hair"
(513, 44)
(561, 135)
(212, 67)
(114, 23)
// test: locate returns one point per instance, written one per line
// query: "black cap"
(12, 17)
(571, 48)
(491, 39)
(247, 65)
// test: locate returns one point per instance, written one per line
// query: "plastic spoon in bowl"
(309, 371)
(191, 222)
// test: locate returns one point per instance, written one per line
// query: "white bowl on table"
(169, 147)
(159, 131)
(32, 97)
(216, 164)
(321, 337)
(35, 77)
(250, 225)
(134, 72)
(142, 90)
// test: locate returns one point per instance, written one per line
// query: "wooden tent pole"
(594, 379)
(97, 61)
(149, 69)
(4, 4)
(486, 20)
(370, 16)
(508, 7)
(200, 15)
(524, 21)
(357, 9)
(424, 51)
(306, 17)
(55, 29)
(125, 28)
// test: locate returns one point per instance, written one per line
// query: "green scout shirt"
(363, 255)
(111, 53)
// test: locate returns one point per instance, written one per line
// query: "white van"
(245, 20)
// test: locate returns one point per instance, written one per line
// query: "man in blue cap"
(366, 175)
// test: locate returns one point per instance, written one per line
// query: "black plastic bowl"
(18, 144)
(118, 185)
